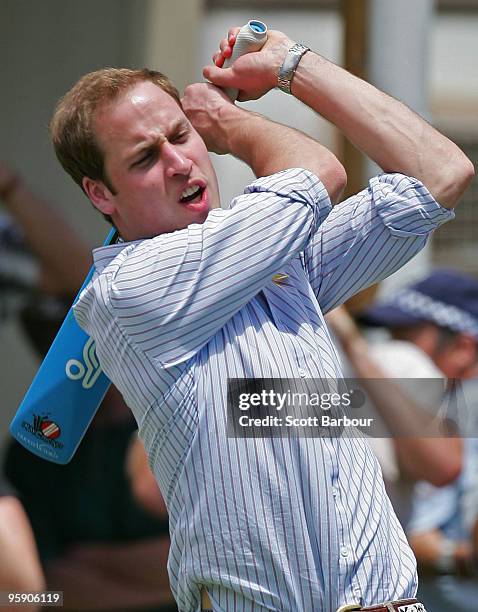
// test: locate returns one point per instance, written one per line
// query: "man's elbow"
(335, 181)
(457, 176)
(438, 461)
(447, 473)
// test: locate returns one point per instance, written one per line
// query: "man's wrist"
(355, 346)
(241, 129)
(445, 563)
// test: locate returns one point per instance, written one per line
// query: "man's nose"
(176, 161)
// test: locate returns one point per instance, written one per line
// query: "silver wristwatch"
(289, 66)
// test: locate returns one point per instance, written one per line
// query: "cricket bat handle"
(251, 37)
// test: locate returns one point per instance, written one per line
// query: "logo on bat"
(48, 428)
(45, 429)
(88, 371)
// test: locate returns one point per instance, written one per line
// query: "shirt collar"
(104, 255)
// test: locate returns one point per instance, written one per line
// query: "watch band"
(289, 66)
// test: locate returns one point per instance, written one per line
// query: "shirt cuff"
(299, 185)
(405, 205)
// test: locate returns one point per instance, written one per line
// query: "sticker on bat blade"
(88, 371)
(45, 429)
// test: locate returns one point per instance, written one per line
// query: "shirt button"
(344, 551)
(302, 373)
(335, 491)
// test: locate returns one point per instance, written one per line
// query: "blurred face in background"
(454, 353)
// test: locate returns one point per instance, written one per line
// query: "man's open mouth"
(191, 193)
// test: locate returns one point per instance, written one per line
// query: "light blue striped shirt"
(290, 524)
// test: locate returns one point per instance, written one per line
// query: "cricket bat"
(65, 393)
(70, 384)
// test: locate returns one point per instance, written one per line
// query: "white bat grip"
(251, 37)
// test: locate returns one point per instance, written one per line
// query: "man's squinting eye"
(145, 158)
(179, 136)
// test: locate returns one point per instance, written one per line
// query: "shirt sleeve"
(172, 293)
(369, 236)
(432, 507)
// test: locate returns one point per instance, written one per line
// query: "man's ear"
(99, 194)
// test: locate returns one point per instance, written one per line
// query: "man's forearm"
(386, 130)
(66, 259)
(392, 135)
(422, 451)
(436, 554)
(428, 457)
(269, 147)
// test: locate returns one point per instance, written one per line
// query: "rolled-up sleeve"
(406, 207)
(371, 235)
(297, 185)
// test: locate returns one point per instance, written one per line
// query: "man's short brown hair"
(72, 126)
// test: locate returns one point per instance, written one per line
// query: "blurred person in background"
(440, 536)
(97, 541)
(443, 527)
(20, 568)
(439, 317)
(402, 408)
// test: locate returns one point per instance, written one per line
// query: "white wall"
(454, 56)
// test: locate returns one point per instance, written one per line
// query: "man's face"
(455, 354)
(155, 161)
